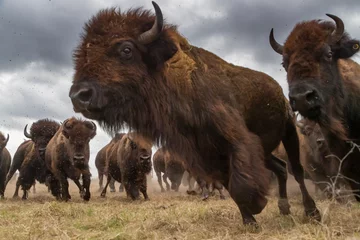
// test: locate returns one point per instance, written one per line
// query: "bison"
(111, 167)
(67, 156)
(134, 160)
(100, 162)
(5, 161)
(172, 167)
(324, 86)
(29, 157)
(132, 69)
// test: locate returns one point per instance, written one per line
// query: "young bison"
(134, 160)
(29, 158)
(67, 156)
(5, 161)
(172, 167)
(132, 69)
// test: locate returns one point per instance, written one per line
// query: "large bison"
(324, 86)
(100, 163)
(67, 156)
(29, 157)
(171, 166)
(133, 70)
(134, 160)
(5, 161)
(111, 167)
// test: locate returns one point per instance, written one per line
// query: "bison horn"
(152, 34)
(64, 123)
(28, 135)
(94, 126)
(299, 124)
(339, 31)
(274, 44)
(7, 139)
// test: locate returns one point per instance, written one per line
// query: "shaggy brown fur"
(225, 120)
(317, 65)
(5, 161)
(172, 167)
(111, 167)
(100, 162)
(67, 156)
(18, 160)
(29, 156)
(134, 160)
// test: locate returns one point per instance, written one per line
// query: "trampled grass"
(167, 216)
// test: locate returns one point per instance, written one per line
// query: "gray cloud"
(38, 39)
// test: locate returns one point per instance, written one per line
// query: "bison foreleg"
(16, 193)
(220, 188)
(101, 179)
(86, 183)
(291, 145)
(143, 188)
(158, 175)
(166, 182)
(64, 188)
(103, 193)
(112, 185)
(121, 188)
(34, 189)
(279, 168)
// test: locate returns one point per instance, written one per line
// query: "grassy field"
(167, 216)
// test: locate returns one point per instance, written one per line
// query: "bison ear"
(159, 51)
(346, 49)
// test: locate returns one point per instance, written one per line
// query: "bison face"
(79, 133)
(116, 62)
(310, 56)
(41, 133)
(3, 141)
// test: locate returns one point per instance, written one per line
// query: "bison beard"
(324, 85)
(223, 119)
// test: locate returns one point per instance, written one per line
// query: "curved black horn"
(339, 31)
(274, 44)
(7, 139)
(94, 125)
(28, 135)
(150, 35)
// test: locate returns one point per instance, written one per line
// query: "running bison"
(29, 158)
(172, 167)
(5, 161)
(134, 160)
(67, 156)
(132, 69)
(100, 162)
(111, 167)
(324, 86)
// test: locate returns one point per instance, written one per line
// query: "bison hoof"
(284, 206)
(112, 190)
(16, 196)
(313, 214)
(222, 197)
(103, 195)
(82, 194)
(87, 197)
(205, 197)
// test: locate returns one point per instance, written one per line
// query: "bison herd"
(227, 126)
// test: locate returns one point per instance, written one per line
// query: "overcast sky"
(38, 37)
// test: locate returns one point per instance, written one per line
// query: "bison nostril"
(83, 95)
(310, 96)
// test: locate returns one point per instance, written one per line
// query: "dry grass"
(166, 216)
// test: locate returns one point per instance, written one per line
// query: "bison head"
(140, 152)
(79, 133)
(116, 63)
(40, 133)
(3, 141)
(310, 58)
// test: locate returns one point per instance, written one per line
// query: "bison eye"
(329, 56)
(125, 50)
(356, 46)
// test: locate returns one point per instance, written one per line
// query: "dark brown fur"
(225, 120)
(111, 168)
(320, 66)
(30, 156)
(67, 156)
(5, 161)
(171, 166)
(134, 160)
